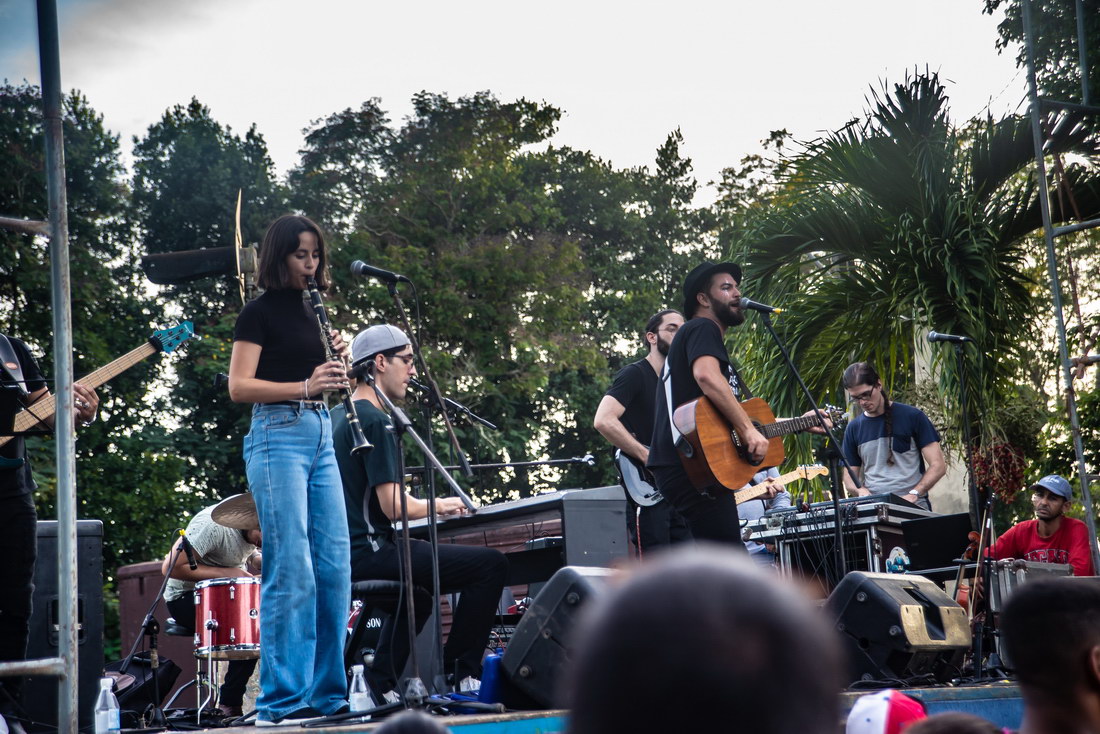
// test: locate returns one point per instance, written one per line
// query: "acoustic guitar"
(713, 453)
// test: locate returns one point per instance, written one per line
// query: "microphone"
(934, 337)
(369, 271)
(186, 545)
(761, 307)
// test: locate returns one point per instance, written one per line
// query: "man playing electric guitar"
(625, 418)
(699, 366)
(21, 387)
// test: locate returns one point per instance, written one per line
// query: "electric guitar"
(806, 471)
(635, 480)
(713, 453)
(164, 340)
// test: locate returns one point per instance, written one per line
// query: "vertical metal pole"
(49, 56)
(1083, 52)
(1055, 285)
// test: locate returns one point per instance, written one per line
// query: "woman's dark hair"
(654, 323)
(862, 373)
(280, 240)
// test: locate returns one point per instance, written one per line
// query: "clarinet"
(358, 438)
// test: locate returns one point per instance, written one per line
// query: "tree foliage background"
(536, 265)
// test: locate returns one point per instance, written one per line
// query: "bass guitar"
(713, 453)
(164, 340)
(636, 480)
(807, 471)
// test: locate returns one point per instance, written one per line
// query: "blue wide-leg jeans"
(306, 590)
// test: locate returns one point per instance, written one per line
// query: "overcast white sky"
(625, 73)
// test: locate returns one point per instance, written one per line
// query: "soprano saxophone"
(359, 442)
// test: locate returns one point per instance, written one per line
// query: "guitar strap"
(9, 364)
(666, 372)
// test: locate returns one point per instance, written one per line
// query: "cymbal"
(238, 512)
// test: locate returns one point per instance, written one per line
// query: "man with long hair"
(893, 446)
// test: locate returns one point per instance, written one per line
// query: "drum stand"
(150, 628)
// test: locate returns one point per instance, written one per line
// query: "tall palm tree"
(898, 223)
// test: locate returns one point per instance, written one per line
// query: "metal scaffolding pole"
(64, 666)
(1035, 109)
(64, 432)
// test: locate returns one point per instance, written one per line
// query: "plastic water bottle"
(107, 717)
(359, 698)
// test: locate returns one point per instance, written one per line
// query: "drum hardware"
(227, 611)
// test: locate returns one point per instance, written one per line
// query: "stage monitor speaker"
(540, 647)
(898, 626)
(40, 692)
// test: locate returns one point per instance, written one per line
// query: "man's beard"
(663, 346)
(731, 315)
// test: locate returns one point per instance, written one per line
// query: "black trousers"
(658, 525)
(478, 575)
(237, 672)
(711, 514)
(18, 550)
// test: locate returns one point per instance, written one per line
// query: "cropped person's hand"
(327, 376)
(450, 506)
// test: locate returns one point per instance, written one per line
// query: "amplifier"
(40, 692)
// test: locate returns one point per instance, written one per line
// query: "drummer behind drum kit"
(227, 610)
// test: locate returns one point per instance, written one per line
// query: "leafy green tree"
(897, 223)
(1057, 67)
(536, 264)
(124, 475)
(188, 169)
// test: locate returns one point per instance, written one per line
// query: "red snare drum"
(227, 618)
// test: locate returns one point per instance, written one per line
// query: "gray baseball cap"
(378, 338)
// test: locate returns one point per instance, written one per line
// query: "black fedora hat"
(699, 278)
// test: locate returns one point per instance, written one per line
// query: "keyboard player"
(372, 495)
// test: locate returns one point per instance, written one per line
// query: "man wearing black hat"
(1051, 537)
(372, 496)
(699, 365)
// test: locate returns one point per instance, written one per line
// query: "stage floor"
(997, 702)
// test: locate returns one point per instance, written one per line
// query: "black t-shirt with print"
(699, 337)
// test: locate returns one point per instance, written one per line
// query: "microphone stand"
(416, 694)
(150, 628)
(983, 520)
(433, 397)
(586, 459)
(838, 538)
(433, 533)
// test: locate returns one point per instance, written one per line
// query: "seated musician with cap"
(220, 552)
(1051, 537)
(372, 495)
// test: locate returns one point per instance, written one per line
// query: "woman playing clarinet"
(279, 364)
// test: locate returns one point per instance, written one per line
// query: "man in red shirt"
(1051, 537)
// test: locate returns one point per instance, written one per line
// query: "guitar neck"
(759, 490)
(46, 407)
(791, 425)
